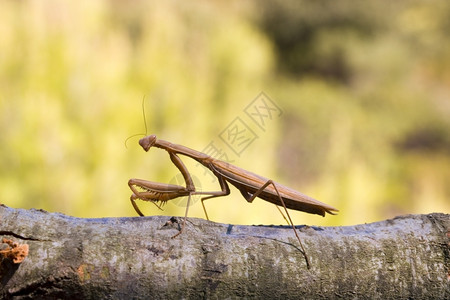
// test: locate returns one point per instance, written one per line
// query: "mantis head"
(147, 142)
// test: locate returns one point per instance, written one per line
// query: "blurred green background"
(363, 88)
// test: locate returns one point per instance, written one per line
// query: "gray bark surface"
(136, 258)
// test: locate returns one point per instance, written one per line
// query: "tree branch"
(406, 257)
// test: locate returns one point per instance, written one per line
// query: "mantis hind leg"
(308, 265)
(250, 197)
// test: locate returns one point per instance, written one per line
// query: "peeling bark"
(406, 257)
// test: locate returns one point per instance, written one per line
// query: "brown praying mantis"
(249, 184)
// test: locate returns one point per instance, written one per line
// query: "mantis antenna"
(145, 124)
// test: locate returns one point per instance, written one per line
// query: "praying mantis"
(249, 184)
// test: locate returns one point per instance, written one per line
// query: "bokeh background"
(364, 90)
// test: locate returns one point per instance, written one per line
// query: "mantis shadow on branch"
(249, 184)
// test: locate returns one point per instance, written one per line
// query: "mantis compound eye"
(147, 142)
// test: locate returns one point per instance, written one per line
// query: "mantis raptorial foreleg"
(159, 192)
(184, 171)
(154, 192)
